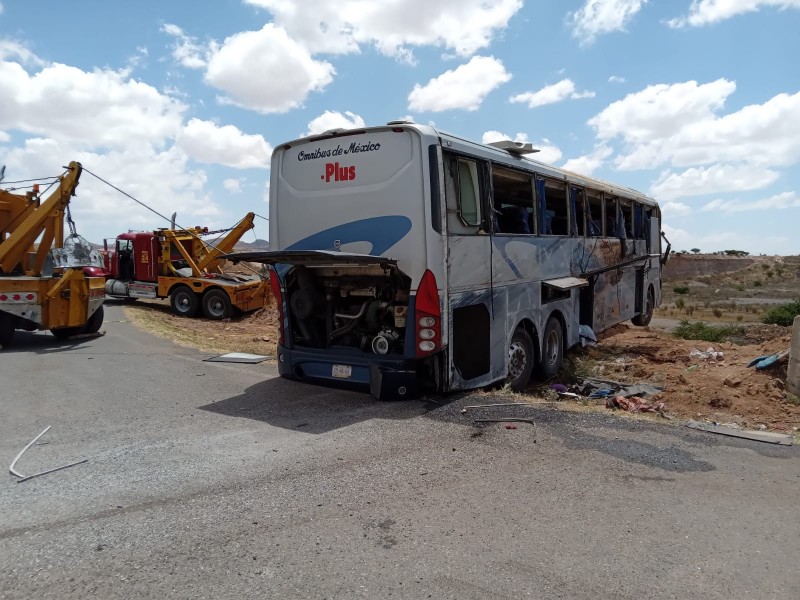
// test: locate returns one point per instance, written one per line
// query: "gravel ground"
(209, 480)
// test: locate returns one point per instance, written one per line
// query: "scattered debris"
(710, 354)
(762, 362)
(466, 408)
(758, 436)
(21, 452)
(635, 404)
(588, 337)
(238, 357)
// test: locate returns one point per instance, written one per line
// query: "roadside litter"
(508, 421)
(758, 436)
(762, 362)
(635, 404)
(27, 477)
(710, 355)
(238, 357)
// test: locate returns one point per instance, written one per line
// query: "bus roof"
(488, 152)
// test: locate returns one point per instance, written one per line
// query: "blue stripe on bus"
(381, 232)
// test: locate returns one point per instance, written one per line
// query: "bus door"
(469, 293)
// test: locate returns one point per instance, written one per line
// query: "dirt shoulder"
(723, 390)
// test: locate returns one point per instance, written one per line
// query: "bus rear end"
(349, 236)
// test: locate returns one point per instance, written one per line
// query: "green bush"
(680, 303)
(717, 312)
(687, 330)
(757, 283)
(681, 289)
(783, 314)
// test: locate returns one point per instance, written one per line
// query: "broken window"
(513, 202)
(577, 198)
(594, 213)
(611, 217)
(553, 211)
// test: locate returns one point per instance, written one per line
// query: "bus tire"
(217, 304)
(95, 321)
(643, 319)
(552, 349)
(520, 360)
(184, 301)
(6, 330)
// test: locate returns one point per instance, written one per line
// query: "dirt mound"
(723, 390)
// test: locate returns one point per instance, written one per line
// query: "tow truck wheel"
(183, 301)
(216, 304)
(95, 321)
(6, 330)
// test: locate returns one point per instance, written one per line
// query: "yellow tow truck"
(45, 286)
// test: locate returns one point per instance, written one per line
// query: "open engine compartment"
(363, 307)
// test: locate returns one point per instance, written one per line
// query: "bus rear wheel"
(520, 360)
(643, 319)
(552, 349)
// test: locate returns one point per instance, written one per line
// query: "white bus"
(411, 260)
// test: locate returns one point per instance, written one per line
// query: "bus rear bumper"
(386, 378)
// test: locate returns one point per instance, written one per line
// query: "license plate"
(342, 371)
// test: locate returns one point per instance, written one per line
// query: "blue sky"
(695, 102)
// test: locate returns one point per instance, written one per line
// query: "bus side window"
(594, 213)
(469, 208)
(626, 219)
(463, 195)
(578, 210)
(555, 217)
(512, 201)
(611, 217)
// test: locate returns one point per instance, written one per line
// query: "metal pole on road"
(793, 376)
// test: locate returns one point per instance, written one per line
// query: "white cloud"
(462, 88)
(548, 153)
(186, 50)
(551, 94)
(719, 178)
(675, 209)
(234, 186)
(392, 26)
(266, 70)
(332, 119)
(706, 12)
(10, 49)
(778, 201)
(4, 137)
(207, 142)
(678, 125)
(589, 163)
(123, 130)
(616, 79)
(597, 17)
(94, 109)
(161, 179)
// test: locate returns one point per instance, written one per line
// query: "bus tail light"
(275, 284)
(428, 316)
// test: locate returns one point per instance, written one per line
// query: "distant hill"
(258, 244)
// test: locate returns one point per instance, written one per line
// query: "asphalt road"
(210, 480)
